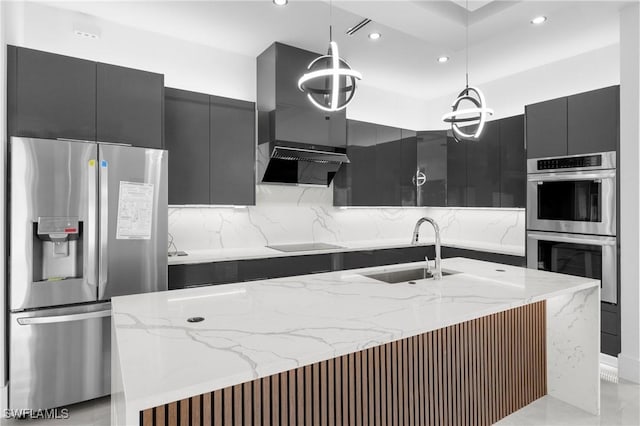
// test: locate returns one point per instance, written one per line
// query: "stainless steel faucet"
(416, 237)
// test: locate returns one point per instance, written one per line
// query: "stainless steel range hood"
(300, 164)
(298, 144)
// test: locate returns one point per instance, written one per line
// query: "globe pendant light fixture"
(475, 115)
(329, 82)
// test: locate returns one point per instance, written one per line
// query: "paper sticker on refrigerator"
(135, 211)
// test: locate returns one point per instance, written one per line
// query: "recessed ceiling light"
(280, 2)
(375, 36)
(443, 59)
(538, 20)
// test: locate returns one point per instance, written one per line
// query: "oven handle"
(557, 177)
(596, 240)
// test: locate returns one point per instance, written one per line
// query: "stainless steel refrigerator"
(88, 221)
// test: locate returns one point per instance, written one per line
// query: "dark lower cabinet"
(277, 267)
(187, 139)
(483, 168)
(130, 106)
(432, 165)
(183, 276)
(513, 178)
(610, 329)
(50, 96)
(593, 121)
(232, 151)
(547, 128)
(456, 173)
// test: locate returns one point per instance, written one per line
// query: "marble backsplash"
(291, 214)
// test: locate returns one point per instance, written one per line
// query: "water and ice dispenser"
(57, 248)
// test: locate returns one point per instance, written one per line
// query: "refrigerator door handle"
(63, 318)
(104, 226)
(92, 230)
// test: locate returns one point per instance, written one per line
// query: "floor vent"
(608, 373)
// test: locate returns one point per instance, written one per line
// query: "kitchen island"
(343, 348)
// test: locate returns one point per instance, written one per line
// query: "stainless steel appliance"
(88, 221)
(572, 194)
(571, 217)
(589, 256)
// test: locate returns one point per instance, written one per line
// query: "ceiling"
(414, 33)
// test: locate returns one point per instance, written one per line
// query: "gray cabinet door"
(50, 96)
(594, 121)
(130, 106)
(483, 168)
(456, 173)
(361, 172)
(546, 131)
(513, 172)
(388, 165)
(232, 151)
(432, 162)
(409, 153)
(187, 139)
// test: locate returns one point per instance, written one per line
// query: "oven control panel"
(570, 162)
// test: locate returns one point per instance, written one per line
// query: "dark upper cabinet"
(356, 181)
(579, 124)
(211, 143)
(284, 112)
(456, 172)
(432, 163)
(232, 150)
(389, 171)
(546, 128)
(408, 168)
(129, 106)
(187, 139)
(593, 121)
(483, 168)
(55, 96)
(50, 96)
(381, 169)
(512, 162)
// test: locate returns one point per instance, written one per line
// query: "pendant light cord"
(331, 21)
(467, 42)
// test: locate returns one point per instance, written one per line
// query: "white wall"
(629, 359)
(508, 96)
(185, 65)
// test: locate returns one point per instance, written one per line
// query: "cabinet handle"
(419, 179)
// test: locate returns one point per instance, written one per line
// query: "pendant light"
(329, 82)
(476, 114)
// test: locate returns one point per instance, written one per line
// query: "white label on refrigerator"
(135, 211)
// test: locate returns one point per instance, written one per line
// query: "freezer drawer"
(59, 356)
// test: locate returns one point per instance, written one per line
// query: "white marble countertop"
(230, 254)
(256, 329)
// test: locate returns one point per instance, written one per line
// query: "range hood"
(298, 144)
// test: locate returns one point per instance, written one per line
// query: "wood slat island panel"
(472, 373)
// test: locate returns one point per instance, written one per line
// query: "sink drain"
(195, 319)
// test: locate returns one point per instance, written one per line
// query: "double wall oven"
(571, 217)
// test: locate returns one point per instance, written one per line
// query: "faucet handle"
(426, 259)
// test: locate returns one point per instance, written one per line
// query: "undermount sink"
(404, 275)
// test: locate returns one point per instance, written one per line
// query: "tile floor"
(620, 406)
